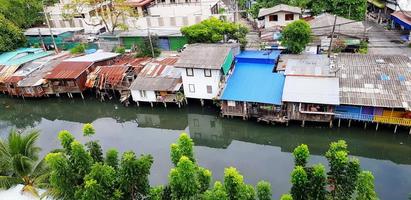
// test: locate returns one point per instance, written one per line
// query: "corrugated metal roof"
(94, 57)
(112, 75)
(204, 56)
(281, 7)
(47, 64)
(320, 90)
(46, 31)
(254, 82)
(68, 70)
(375, 80)
(5, 57)
(7, 72)
(306, 65)
(158, 75)
(22, 56)
(322, 25)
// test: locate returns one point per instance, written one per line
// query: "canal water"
(258, 151)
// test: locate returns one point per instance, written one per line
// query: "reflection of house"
(12, 61)
(253, 89)
(310, 88)
(158, 81)
(204, 67)
(64, 37)
(375, 88)
(278, 16)
(207, 130)
(70, 76)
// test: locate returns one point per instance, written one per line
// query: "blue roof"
(254, 82)
(22, 55)
(267, 57)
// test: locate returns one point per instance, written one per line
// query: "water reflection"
(258, 151)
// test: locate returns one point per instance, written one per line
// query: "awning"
(402, 19)
(377, 3)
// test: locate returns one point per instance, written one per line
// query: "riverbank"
(259, 151)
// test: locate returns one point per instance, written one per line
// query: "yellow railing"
(392, 120)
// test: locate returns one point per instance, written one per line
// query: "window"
(209, 89)
(272, 18)
(289, 17)
(189, 72)
(143, 93)
(191, 88)
(207, 72)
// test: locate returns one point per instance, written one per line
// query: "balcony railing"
(375, 118)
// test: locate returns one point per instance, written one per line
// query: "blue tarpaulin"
(402, 23)
(253, 79)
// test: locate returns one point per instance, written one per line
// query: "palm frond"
(41, 174)
(29, 144)
(8, 181)
(32, 190)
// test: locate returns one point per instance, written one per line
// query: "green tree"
(264, 190)
(286, 197)
(120, 50)
(80, 161)
(204, 179)
(317, 181)
(88, 130)
(365, 186)
(66, 138)
(183, 147)
(296, 36)
(217, 193)
(301, 155)
(149, 47)
(112, 158)
(156, 193)
(19, 157)
(133, 175)
(182, 179)
(213, 30)
(299, 179)
(233, 183)
(78, 49)
(62, 177)
(100, 183)
(11, 36)
(22, 13)
(95, 151)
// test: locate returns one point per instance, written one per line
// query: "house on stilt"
(254, 90)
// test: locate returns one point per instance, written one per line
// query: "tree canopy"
(296, 36)
(214, 30)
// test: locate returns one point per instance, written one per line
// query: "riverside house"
(10, 62)
(374, 89)
(158, 81)
(70, 76)
(278, 16)
(311, 88)
(204, 67)
(254, 90)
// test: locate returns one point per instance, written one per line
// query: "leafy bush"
(296, 36)
(120, 50)
(78, 49)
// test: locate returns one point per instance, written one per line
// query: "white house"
(159, 81)
(203, 67)
(278, 16)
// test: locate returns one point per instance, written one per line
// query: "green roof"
(22, 55)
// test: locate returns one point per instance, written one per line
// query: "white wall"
(150, 96)
(175, 10)
(200, 83)
(281, 19)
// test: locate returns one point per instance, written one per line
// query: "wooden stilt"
(395, 129)
(376, 127)
(151, 103)
(138, 104)
(365, 125)
(202, 102)
(179, 105)
(339, 123)
(57, 95)
(82, 96)
(349, 123)
(303, 124)
(165, 104)
(331, 123)
(410, 132)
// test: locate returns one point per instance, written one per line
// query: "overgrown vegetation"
(351, 9)
(120, 50)
(363, 49)
(214, 30)
(82, 172)
(78, 49)
(149, 47)
(296, 36)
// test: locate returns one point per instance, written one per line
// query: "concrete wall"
(175, 10)
(150, 96)
(200, 83)
(281, 19)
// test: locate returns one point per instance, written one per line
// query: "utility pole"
(151, 43)
(332, 36)
(48, 25)
(42, 41)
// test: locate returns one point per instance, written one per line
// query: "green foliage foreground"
(82, 172)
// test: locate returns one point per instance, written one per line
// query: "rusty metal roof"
(112, 75)
(68, 70)
(8, 71)
(159, 75)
